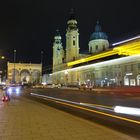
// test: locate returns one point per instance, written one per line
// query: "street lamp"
(2, 57)
(14, 74)
(41, 65)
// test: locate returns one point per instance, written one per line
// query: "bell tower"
(58, 52)
(72, 38)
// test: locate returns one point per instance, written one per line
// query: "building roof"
(98, 34)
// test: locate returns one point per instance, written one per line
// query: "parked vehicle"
(85, 87)
(38, 86)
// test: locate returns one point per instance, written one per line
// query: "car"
(56, 85)
(13, 89)
(85, 87)
(38, 86)
(50, 85)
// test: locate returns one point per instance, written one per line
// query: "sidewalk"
(24, 119)
(127, 91)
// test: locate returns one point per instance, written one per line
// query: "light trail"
(78, 105)
(127, 110)
(124, 41)
(102, 106)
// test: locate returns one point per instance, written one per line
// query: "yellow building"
(24, 72)
(118, 65)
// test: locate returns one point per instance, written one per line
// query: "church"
(118, 65)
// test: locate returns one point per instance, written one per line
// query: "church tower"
(98, 40)
(72, 39)
(58, 52)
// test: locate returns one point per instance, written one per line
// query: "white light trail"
(137, 37)
(76, 105)
(127, 110)
(68, 101)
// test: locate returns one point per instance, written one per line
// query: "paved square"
(24, 119)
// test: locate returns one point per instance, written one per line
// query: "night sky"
(29, 25)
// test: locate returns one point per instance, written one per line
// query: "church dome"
(98, 34)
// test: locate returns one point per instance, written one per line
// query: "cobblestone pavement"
(24, 119)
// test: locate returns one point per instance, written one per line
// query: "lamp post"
(41, 57)
(1, 71)
(41, 66)
(14, 74)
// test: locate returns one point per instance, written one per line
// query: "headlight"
(17, 90)
(9, 90)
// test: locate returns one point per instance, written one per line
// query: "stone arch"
(24, 72)
(129, 80)
(25, 76)
(35, 76)
(126, 81)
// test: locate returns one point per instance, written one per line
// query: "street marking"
(110, 107)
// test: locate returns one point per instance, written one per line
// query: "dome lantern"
(98, 34)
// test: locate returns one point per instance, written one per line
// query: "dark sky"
(29, 25)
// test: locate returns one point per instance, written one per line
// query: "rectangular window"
(131, 67)
(125, 68)
(73, 42)
(139, 66)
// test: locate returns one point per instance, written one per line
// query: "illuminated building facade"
(72, 39)
(115, 66)
(24, 73)
(124, 71)
(58, 52)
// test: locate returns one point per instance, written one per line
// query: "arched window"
(96, 47)
(103, 47)
(90, 49)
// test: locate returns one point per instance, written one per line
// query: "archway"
(138, 80)
(25, 76)
(126, 81)
(35, 76)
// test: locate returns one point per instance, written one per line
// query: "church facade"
(102, 66)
